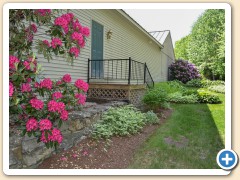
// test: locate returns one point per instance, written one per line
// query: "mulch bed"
(115, 153)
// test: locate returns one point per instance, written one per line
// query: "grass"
(189, 139)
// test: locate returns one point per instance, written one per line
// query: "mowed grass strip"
(189, 139)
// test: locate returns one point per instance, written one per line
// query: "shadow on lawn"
(189, 139)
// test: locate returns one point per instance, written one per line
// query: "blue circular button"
(227, 159)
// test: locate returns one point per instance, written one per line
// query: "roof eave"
(123, 13)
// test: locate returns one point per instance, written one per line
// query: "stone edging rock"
(25, 152)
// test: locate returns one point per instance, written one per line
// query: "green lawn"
(190, 138)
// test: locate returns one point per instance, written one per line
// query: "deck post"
(88, 70)
(145, 65)
(129, 70)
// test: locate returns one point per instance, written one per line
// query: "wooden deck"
(125, 92)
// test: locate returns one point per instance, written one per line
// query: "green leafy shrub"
(205, 97)
(194, 83)
(217, 88)
(122, 121)
(182, 99)
(151, 118)
(190, 92)
(155, 98)
(171, 86)
(208, 83)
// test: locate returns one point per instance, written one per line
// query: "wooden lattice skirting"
(131, 93)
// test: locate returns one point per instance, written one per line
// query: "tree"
(207, 44)
(181, 47)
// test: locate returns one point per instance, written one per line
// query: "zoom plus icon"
(227, 159)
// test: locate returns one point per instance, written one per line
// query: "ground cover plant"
(122, 121)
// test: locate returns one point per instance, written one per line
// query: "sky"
(178, 21)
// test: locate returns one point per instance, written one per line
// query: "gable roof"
(160, 36)
(128, 17)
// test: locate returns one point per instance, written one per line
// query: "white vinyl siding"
(127, 41)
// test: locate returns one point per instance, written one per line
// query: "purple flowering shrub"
(183, 71)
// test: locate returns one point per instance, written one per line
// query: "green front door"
(97, 50)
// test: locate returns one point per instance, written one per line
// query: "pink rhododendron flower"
(82, 44)
(59, 82)
(45, 124)
(12, 61)
(36, 85)
(64, 115)
(26, 87)
(34, 28)
(57, 95)
(46, 83)
(54, 106)
(27, 65)
(77, 37)
(81, 98)
(61, 107)
(60, 21)
(56, 135)
(46, 43)
(68, 17)
(75, 51)
(43, 137)
(56, 42)
(67, 78)
(81, 85)
(29, 80)
(77, 26)
(36, 103)
(86, 31)
(43, 12)
(31, 124)
(11, 89)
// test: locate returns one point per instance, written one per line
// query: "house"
(120, 57)
(167, 53)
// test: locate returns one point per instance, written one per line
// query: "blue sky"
(178, 21)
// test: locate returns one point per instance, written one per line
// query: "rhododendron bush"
(43, 104)
(183, 71)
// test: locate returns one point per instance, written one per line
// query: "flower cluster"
(29, 32)
(45, 83)
(43, 12)
(55, 136)
(57, 95)
(183, 71)
(12, 61)
(26, 87)
(36, 103)
(31, 125)
(11, 89)
(82, 85)
(45, 124)
(56, 42)
(54, 106)
(81, 98)
(64, 21)
(46, 43)
(75, 51)
(67, 78)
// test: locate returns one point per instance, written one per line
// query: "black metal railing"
(119, 70)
